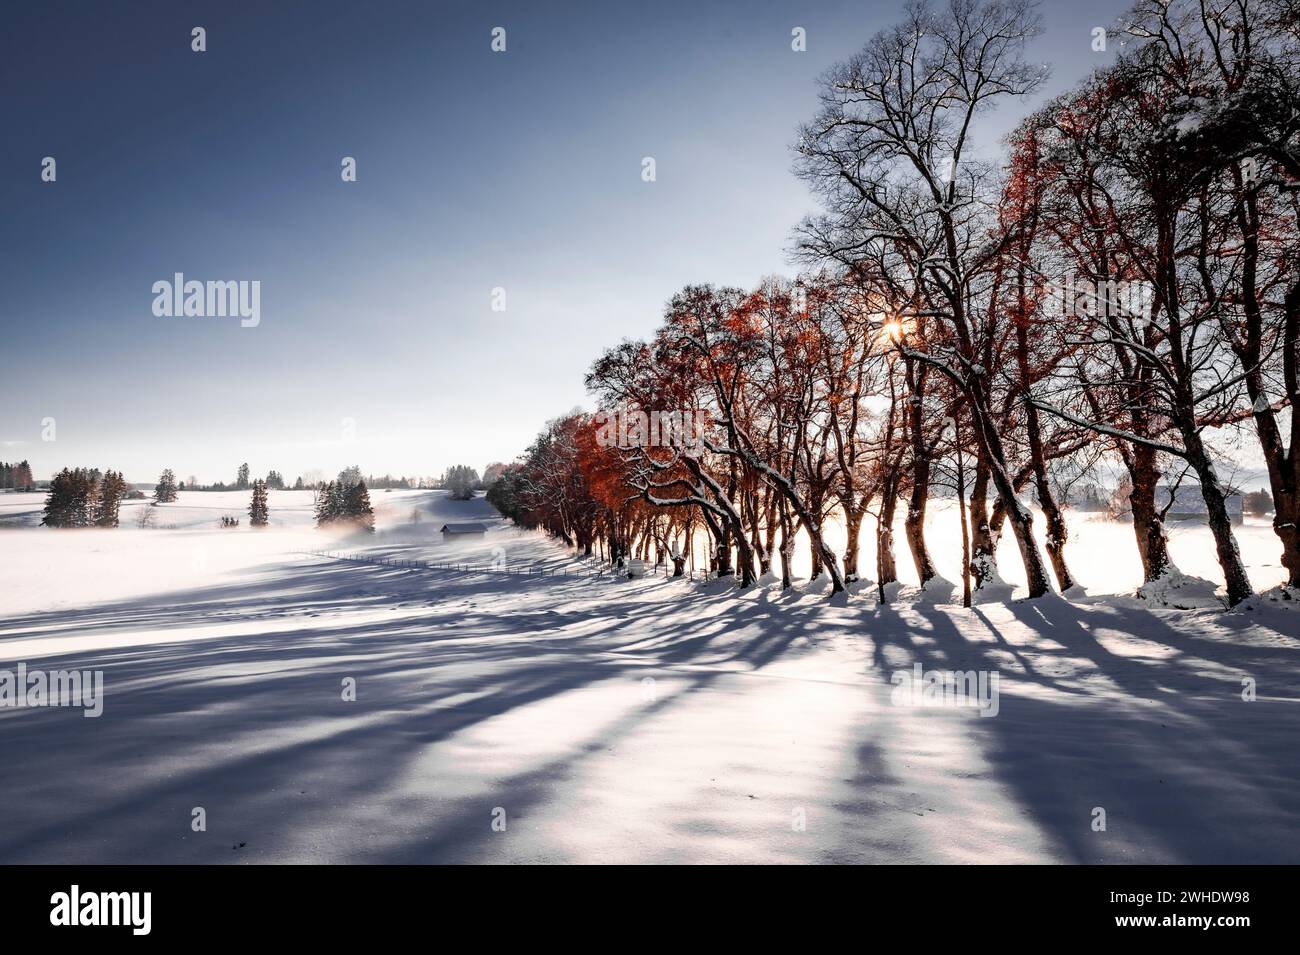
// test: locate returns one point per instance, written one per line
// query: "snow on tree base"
(1287, 598)
(893, 590)
(1180, 591)
(864, 587)
(936, 590)
(821, 584)
(994, 590)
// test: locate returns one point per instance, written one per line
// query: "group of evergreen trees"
(16, 477)
(82, 497)
(345, 502)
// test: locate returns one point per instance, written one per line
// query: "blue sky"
(475, 170)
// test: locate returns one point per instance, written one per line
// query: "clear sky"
(476, 170)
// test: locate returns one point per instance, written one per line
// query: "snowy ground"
(609, 721)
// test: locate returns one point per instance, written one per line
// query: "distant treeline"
(460, 479)
(89, 497)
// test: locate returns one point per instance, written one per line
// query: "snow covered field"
(609, 720)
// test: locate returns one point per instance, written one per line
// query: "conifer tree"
(326, 505)
(58, 504)
(85, 503)
(358, 506)
(257, 511)
(111, 491)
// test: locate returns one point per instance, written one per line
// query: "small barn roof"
(464, 529)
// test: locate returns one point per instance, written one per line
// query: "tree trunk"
(914, 522)
(1057, 533)
(1225, 542)
(755, 533)
(787, 545)
(1153, 547)
(814, 555)
(1283, 463)
(769, 532)
(853, 529)
(886, 562)
(1022, 519)
(984, 540)
(745, 559)
(722, 554)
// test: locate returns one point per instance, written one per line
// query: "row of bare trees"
(1124, 280)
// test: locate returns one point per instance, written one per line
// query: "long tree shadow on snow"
(1191, 772)
(253, 728)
